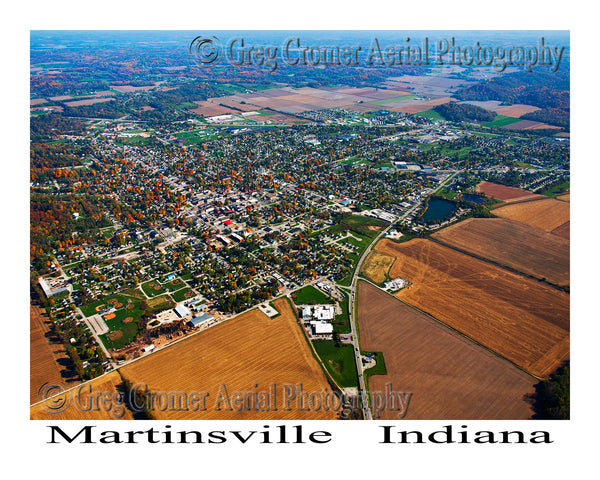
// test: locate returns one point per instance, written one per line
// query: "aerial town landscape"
(306, 242)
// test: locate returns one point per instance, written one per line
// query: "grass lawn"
(90, 309)
(160, 303)
(557, 189)
(348, 161)
(153, 288)
(180, 295)
(135, 140)
(130, 309)
(309, 295)
(378, 369)
(129, 330)
(432, 114)
(341, 323)
(339, 362)
(410, 96)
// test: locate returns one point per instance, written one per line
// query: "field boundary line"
(454, 330)
(496, 264)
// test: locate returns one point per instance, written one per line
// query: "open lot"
(516, 245)
(376, 266)
(546, 214)
(449, 376)
(521, 319)
(250, 353)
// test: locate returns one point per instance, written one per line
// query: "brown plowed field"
(249, 350)
(546, 214)
(80, 403)
(48, 360)
(563, 231)
(504, 193)
(519, 318)
(516, 110)
(449, 376)
(514, 244)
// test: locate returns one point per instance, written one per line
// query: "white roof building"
(182, 311)
(321, 328)
(324, 312)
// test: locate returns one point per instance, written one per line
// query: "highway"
(362, 389)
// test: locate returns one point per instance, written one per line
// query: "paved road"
(362, 389)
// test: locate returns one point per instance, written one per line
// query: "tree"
(552, 396)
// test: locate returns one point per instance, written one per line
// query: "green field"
(501, 121)
(310, 295)
(128, 329)
(179, 295)
(432, 114)
(131, 307)
(410, 96)
(153, 288)
(557, 189)
(90, 309)
(351, 160)
(135, 140)
(341, 323)
(339, 362)
(378, 369)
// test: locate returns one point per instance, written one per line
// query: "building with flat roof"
(324, 312)
(321, 328)
(200, 319)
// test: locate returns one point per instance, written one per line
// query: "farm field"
(563, 231)
(504, 193)
(546, 214)
(513, 244)
(249, 353)
(46, 355)
(501, 121)
(517, 110)
(80, 405)
(449, 376)
(519, 318)
(422, 106)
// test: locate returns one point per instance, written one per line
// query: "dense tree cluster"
(463, 112)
